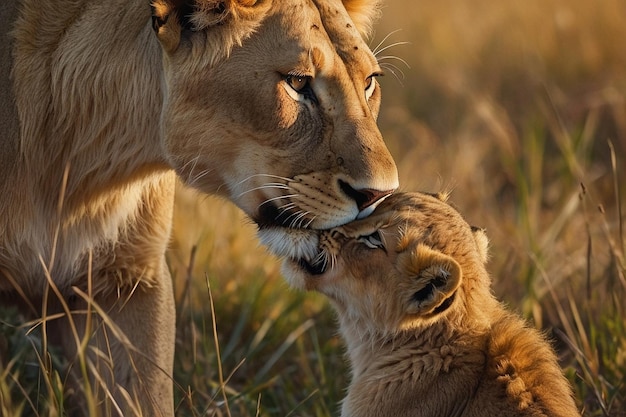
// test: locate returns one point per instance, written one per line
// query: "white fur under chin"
(290, 243)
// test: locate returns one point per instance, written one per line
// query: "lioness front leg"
(141, 362)
(130, 352)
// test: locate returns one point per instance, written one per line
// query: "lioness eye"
(297, 82)
(373, 241)
(370, 84)
(299, 87)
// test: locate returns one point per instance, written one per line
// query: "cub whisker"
(333, 261)
(320, 257)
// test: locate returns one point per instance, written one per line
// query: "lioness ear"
(433, 280)
(171, 17)
(363, 13)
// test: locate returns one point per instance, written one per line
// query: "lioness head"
(274, 104)
(410, 263)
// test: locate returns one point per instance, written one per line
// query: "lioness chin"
(272, 104)
(424, 334)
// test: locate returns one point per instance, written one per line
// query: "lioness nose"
(364, 197)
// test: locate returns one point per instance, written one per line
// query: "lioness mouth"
(300, 246)
(318, 266)
(270, 215)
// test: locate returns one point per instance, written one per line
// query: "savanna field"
(517, 108)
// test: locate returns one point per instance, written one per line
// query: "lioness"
(424, 334)
(272, 104)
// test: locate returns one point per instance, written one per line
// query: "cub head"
(273, 104)
(408, 265)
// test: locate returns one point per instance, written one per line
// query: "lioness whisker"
(265, 186)
(284, 210)
(294, 215)
(375, 50)
(191, 161)
(306, 226)
(393, 69)
(397, 58)
(300, 215)
(286, 207)
(296, 220)
(269, 200)
(389, 46)
(303, 218)
(200, 175)
(286, 179)
(194, 163)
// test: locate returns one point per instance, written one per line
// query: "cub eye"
(370, 84)
(373, 241)
(299, 87)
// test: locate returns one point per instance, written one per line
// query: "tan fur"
(425, 335)
(103, 103)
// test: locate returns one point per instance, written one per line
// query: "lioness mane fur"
(364, 14)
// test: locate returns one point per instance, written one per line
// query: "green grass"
(520, 109)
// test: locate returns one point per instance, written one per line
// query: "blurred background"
(518, 108)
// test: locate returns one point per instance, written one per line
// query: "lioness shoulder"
(425, 335)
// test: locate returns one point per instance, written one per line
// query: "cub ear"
(482, 243)
(434, 278)
(364, 14)
(171, 17)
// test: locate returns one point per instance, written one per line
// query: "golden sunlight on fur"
(424, 334)
(271, 104)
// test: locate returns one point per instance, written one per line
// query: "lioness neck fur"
(425, 335)
(272, 104)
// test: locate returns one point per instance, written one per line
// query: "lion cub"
(424, 334)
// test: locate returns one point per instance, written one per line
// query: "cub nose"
(366, 198)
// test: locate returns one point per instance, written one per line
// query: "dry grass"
(520, 109)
